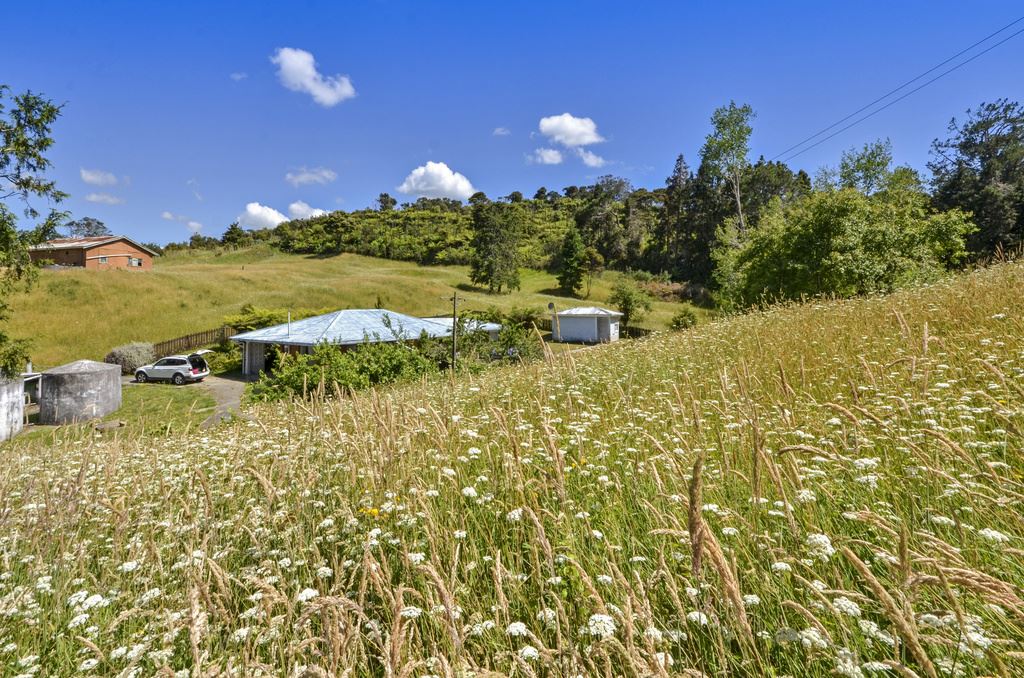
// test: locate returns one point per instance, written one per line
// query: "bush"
(839, 242)
(131, 356)
(684, 319)
(632, 302)
(340, 370)
(255, 318)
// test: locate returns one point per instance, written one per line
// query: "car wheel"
(178, 379)
(141, 377)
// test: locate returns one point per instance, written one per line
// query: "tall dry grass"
(826, 489)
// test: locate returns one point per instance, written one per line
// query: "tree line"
(749, 230)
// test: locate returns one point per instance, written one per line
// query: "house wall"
(118, 254)
(12, 407)
(577, 328)
(254, 357)
(60, 257)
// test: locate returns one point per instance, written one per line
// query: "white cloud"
(501, 131)
(104, 199)
(191, 224)
(97, 177)
(260, 216)
(437, 180)
(296, 69)
(194, 185)
(568, 130)
(546, 156)
(310, 175)
(301, 210)
(590, 159)
(239, 76)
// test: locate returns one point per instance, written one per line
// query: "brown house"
(100, 252)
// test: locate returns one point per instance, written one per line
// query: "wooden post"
(455, 330)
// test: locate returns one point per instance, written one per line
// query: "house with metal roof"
(95, 252)
(348, 327)
(587, 324)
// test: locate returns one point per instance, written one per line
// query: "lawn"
(825, 489)
(83, 314)
(147, 410)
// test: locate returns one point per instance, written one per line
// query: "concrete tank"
(79, 391)
(12, 407)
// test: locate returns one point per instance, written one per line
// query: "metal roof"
(472, 324)
(350, 326)
(86, 243)
(590, 312)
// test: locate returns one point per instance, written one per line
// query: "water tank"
(79, 391)
(12, 407)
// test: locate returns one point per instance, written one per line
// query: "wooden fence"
(544, 325)
(193, 341)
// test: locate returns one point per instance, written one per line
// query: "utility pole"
(455, 330)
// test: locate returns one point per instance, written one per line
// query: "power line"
(904, 96)
(905, 84)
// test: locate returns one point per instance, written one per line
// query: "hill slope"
(83, 314)
(849, 474)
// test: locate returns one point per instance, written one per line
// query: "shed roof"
(83, 366)
(590, 312)
(86, 243)
(472, 324)
(350, 326)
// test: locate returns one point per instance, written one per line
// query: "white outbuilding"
(588, 324)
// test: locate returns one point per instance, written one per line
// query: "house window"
(134, 261)
(103, 260)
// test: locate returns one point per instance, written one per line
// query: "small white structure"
(588, 324)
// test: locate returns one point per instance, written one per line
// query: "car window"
(162, 363)
(179, 361)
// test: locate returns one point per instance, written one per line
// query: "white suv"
(177, 369)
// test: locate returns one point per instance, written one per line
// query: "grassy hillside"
(83, 314)
(826, 489)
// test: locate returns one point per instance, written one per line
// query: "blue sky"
(179, 116)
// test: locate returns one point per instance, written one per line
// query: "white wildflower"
(306, 595)
(847, 606)
(820, 546)
(601, 625)
(516, 629)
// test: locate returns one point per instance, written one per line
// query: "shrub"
(839, 242)
(631, 301)
(131, 356)
(341, 370)
(255, 318)
(684, 319)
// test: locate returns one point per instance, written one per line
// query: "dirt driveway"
(228, 394)
(226, 391)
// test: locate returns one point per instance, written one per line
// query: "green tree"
(839, 242)
(86, 227)
(632, 302)
(595, 266)
(726, 149)
(235, 236)
(980, 169)
(572, 263)
(25, 136)
(385, 203)
(495, 245)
